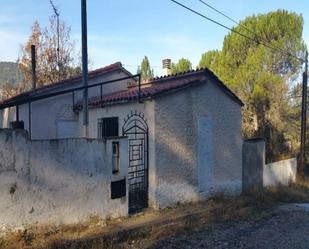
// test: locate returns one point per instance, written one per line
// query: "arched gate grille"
(136, 128)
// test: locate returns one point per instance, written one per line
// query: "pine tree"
(260, 76)
(183, 65)
(145, 69)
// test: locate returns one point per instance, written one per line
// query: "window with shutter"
(108, 127)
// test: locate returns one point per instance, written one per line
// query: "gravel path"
(284, 230)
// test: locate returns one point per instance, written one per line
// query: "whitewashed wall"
(52, 118)
(194, 140)
(198, 144)
(280, 173)
(57, 181)
(195, 143)
(122, 111)
(257, 174)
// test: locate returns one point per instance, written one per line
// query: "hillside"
(9, 73)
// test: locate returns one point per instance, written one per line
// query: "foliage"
(9, 90)
(261, 76)
(210, 58)
(183, 65)
(145, 69)
(50, 67)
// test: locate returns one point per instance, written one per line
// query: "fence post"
(253, 161)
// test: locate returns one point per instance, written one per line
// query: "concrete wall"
(198, 144)
(253, 163)
(191, 151)
(257, 174)
(122, 111)
(57, 181)
(52, 118)
(280, 173)
(194, 140)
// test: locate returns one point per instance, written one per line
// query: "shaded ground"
(285, 229)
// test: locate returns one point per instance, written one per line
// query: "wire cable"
(221, 13)
(243, 26)
(233, 30)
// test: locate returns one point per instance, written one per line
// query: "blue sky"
(122, 30)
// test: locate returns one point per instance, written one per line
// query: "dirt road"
(283, 229)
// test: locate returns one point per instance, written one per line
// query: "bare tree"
(52, 64)
(8, 90)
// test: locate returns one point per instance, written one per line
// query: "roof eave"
(72, 80)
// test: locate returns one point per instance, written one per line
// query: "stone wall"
(57, 181)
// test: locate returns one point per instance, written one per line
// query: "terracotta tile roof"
(146, 92)
(72, 80)
(158, 86)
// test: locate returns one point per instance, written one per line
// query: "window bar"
(139, 88)
(29, 115)
(73, 99)
(100, 128)
(17, 112)
(101, 91)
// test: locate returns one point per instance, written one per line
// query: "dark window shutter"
(108, 127)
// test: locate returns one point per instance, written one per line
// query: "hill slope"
(10, 73)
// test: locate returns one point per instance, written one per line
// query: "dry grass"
(92, 235)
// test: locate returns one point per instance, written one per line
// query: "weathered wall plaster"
(57, 181)
(122, 111)
(194, 139)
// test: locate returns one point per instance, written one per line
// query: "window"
(115, 157)
(108, 127)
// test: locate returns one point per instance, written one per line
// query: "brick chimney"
(166, 67)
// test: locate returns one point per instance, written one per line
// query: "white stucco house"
(184, 131)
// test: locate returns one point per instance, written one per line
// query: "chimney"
(167, 67)
(33, 66)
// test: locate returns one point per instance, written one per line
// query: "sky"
(126, 31)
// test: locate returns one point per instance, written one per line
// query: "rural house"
(172, 139)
